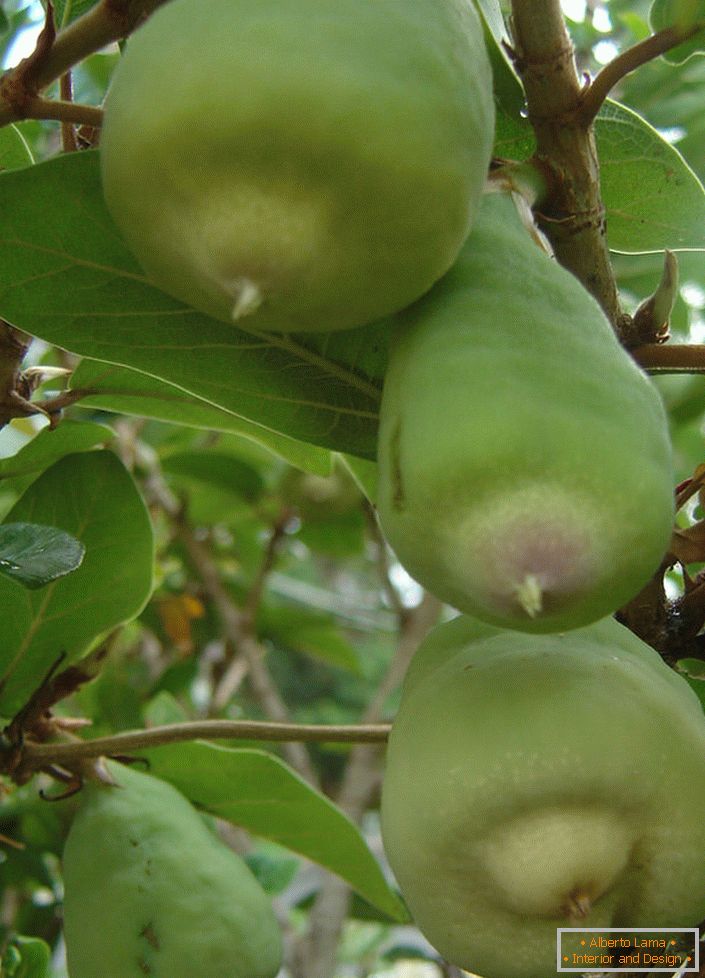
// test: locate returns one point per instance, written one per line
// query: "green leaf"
(67, 10)
(14, 151)
(26, 957)
(164, 708)
(67, 277)
(258, 791)
(218, 469)
(683, 15)
(92, 497)
(127, 391)
(310, 633)
(508, 90)
(52, 444)
(35, 555)
(652, 197)
(273, 872)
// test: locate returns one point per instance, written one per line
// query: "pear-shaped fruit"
(543, 781)
(299, 166)
(524, 459)
(150, 891)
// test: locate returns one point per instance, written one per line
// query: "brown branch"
(671, 358)
(572, 216)
(105, 23)
(64, 112)
(274, 542)
(13, 348)
(239, 630)
(18, 405)
(236, 668)
(628, 61)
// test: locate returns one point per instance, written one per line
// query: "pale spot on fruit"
(537, 547)
(246, 243)
(539, 862)
(248, 298)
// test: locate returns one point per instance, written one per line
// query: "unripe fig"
(299, 166)
(524, 458)
(543, 781)
(150, 891)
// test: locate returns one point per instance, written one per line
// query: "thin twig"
(69, 143)
(237, 668)
(37, 756)
(628, 61)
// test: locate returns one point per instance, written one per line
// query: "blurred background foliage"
(298, 551)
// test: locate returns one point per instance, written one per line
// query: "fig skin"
(524, 459)
(299, 166)
(543, 781)
(149, 890)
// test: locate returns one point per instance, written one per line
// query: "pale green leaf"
(256, 790)
(51, 444)
(683, 15)
(26, 957)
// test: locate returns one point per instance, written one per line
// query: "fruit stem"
(529, 594)
(578, 905)
(248, 298)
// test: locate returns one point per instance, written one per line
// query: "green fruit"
(536, 782)
(150, 891)
(524, 459)
(300, 166)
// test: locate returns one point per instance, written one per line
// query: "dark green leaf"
(217, 469)
(67, 277)
(35, 555)
(309, 632)
(258, 791)
(130, 392)
(14, 151)
(92, 497)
